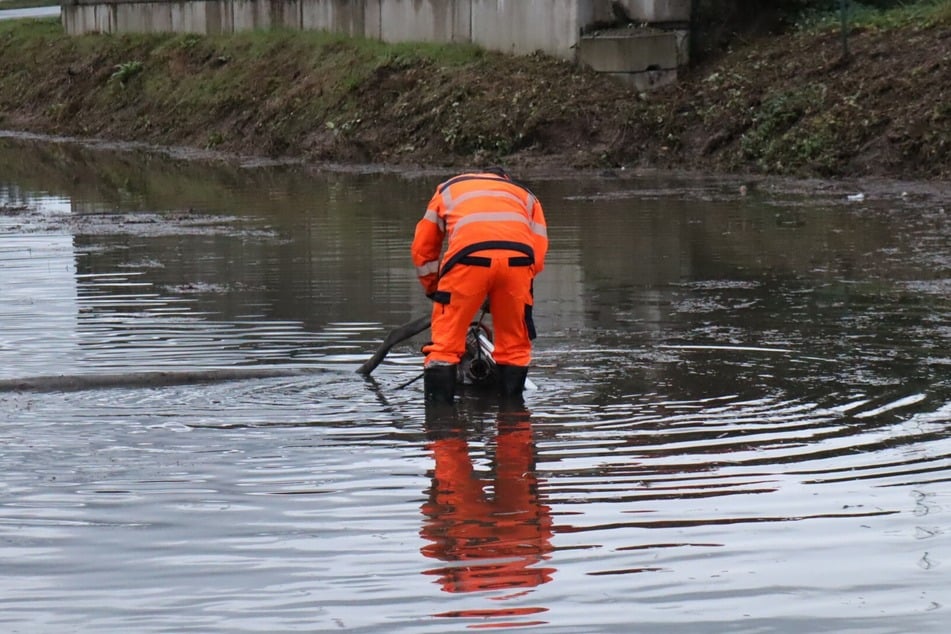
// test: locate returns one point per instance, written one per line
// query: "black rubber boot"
(439, 384)
(511, 380)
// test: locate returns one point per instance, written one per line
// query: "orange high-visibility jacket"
(477, 212)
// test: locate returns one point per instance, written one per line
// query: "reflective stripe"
(434, 218)
(430, 268)
(493, 216)
(451, 204)
(539, 229)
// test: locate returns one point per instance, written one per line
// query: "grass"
(920, 12)
(786, 130)
(26, 4)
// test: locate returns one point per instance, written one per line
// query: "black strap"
(475, 260)
(467, 251)
(478, 260)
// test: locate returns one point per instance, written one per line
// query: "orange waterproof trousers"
(505, 278)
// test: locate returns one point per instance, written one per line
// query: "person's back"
(497, 243)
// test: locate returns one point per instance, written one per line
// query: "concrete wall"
(525, 26)
(357, 19)
(514, 26)
(658, 11)
(554, 27)
(424, 20)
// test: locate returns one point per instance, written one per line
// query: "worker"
(496, 241)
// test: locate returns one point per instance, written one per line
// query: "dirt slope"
(782, 104)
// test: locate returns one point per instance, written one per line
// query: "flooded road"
(742, 421)
(31, 12)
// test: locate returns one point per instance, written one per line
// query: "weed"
(214, 139)
(126, 71)
(769, 139)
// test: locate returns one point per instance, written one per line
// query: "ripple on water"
(730, 446)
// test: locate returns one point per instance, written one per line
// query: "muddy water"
(742, 421)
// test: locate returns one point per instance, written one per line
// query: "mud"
(786, 104)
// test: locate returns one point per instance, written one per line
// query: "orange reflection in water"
(491, 528)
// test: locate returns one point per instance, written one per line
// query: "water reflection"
(489, 525)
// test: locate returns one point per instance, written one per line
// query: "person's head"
(498, 171)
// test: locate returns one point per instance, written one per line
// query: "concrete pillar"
(417, 20)
(338, 16)
(372, 19)
(521, 27)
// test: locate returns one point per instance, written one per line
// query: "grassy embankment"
(269, 92)
(784, 104)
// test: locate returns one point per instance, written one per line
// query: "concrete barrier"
(644, 58)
